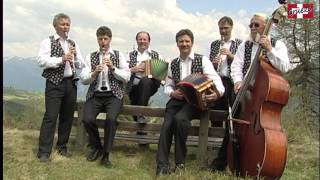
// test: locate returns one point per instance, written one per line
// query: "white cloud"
(27, 24)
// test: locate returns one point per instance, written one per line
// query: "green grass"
(22, 120)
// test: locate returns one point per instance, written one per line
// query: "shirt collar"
(190, 57)
(56, 37)
(111, 51)
(147, 50)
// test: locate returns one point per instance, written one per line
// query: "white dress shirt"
(45, 61)
(185, 70)
(140, 58)
(122, 73)
(223, 67)
(278, 57)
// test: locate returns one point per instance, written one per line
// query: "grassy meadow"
(23, 113)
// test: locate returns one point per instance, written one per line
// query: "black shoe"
(64, 152)
(141, 120)
(106, 162)
(44, 157)
(94, 154)
(162, 171)
(217, 165)
(179, 167)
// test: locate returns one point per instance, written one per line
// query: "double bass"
(258, 146)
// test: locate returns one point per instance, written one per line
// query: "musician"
(221, 55)
(106, 70)
(140, 88)
(178, 112)
(59, 56)
(275, 51)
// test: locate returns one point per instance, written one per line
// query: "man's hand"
(216, 61)
(67, 57)
(226, 51)
(177, 94)
(138, 68)
(108, 63)
(265, 43)
(237, 86)
(99, 69)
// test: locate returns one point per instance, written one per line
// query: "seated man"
(106, 71)
(178, 112)
(140, 88)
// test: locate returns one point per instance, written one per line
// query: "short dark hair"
(226, 19)
(58, 17)
(145, 33)
(104, 30)
(184, 32)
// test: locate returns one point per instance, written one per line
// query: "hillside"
(25, 74)
(23, 111)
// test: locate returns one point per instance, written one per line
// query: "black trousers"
(176, 123)
(59, 100)
(222, 103)
(102, 102)
(141, 93)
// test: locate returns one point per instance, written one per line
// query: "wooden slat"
(155, 128)
(153, 139)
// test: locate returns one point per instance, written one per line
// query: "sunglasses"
(256, 25)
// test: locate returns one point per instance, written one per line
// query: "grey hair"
(262, 15)
(58, 17)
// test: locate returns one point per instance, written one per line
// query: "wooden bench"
(200, 134)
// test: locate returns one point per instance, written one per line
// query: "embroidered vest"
(55, 75)
(215, 47)
(247, 54)
(196, 67)
(133, 62)
(115, 84)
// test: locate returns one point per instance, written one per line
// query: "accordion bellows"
(194, 87)
(156, 68)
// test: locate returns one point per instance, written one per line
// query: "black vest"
(196, 67)
(55, 75)
(247, 54)
(115, 84)
(215, 47)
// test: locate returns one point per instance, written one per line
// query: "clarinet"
(103, 73)
(219, 54)
(75, 76)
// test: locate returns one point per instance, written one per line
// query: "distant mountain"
(25, 74)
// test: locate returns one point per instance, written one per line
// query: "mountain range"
(25, 74)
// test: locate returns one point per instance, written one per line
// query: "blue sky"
(205, 6)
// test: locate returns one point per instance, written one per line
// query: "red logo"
(304, 11)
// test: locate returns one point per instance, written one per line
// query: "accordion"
(156, 68)
(194, 87)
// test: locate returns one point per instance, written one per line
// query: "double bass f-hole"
(256, 125)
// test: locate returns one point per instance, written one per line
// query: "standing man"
(178, 112)
(106, 71)
(222, 54)
(140, 88)
(59, 56)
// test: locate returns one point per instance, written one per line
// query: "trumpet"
(74, 59)
(219, 54)
(103, 73)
